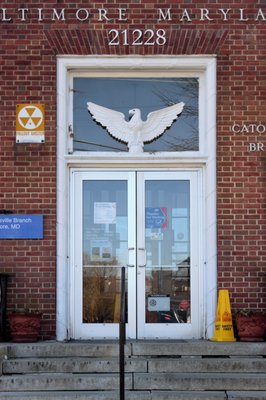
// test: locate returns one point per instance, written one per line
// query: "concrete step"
(135, 395)
(66, 349)
(198, 348)
(207, 395)
(200, 381)
(108, 365)
(138, 348)
(72, 365)
(246, 395)
(82, 395)
(188, 395)
(63, 382)
(199, 364)
(154, 370)
(138, 381)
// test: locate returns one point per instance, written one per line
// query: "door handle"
(145, 257)
(130, 249)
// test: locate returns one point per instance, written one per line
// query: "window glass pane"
(167, 238)
(105, 249)
(147, 94)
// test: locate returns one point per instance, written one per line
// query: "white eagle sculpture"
(135, 132)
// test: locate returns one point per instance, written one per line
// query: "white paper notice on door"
(104, 213)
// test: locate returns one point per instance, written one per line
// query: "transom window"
(147, 94)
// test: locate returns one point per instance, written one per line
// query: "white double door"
(149, 222)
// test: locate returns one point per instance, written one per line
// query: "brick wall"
(28, 172)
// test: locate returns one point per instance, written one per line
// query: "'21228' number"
(137, 37)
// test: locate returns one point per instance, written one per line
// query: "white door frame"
(203, 66)
(136, 275)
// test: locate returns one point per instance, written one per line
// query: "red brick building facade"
(34, 35)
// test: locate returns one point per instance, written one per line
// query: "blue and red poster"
(156, 217)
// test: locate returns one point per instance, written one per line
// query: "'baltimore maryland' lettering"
(123, 14)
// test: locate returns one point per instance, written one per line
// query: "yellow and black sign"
(30, 123)
(223, 330)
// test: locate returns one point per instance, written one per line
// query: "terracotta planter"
(251, 328)
(24, 327)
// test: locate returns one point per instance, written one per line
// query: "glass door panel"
(165, 278)
(102, 217)
(105, 238)
(167, 237)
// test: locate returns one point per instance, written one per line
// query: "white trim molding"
(202, 66)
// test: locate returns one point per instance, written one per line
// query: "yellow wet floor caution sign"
(223, 331)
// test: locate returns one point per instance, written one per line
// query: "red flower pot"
(25, 327)
(251, 328)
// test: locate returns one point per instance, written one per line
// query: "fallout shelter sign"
(30, 123)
